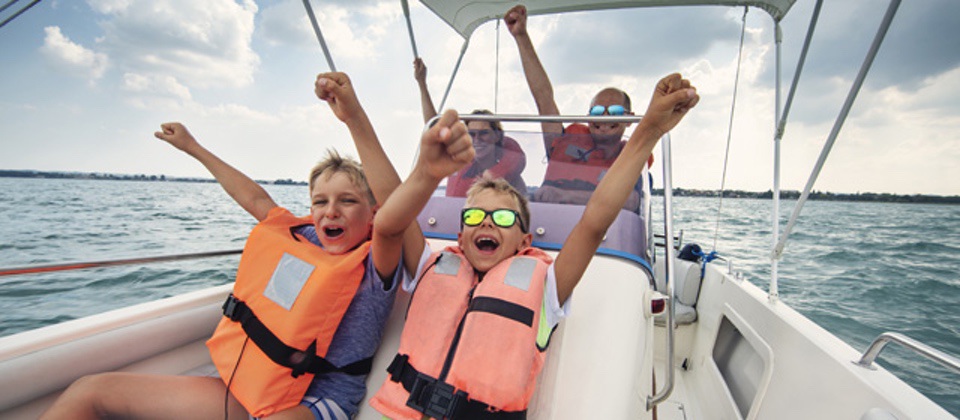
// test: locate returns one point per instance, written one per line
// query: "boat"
(683, 339)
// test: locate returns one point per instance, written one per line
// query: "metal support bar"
(553, 118)
(924, 350)
(782, 119)
(406, 14)
(669, 263)
(18, 12)
(8, 4)
(774, 293)
(95, 264)
(844, 111)
(316, 30)
(453, 75)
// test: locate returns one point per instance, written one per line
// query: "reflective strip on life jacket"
(294, 291)
(574, 162)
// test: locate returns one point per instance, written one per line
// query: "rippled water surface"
(856, 269)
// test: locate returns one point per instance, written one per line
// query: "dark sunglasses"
(611, 110)
(504, 218)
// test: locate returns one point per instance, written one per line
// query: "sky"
(86, 83)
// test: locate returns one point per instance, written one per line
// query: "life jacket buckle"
(301, 361)
(435, 399)
(397, 367)
(230, 307)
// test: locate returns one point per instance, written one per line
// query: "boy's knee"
(89, 390)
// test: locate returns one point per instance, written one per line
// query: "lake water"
(856, 269)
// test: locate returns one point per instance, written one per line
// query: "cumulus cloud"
(351, 31)
(201, 44)
(581, 46)
(159, 85)
(918, 45)
(74, 57)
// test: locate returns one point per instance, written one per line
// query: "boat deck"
(679, 405)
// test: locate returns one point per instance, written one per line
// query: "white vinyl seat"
(686, 290)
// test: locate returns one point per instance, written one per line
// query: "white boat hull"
(780, 365)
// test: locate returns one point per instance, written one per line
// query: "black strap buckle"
(230, 307)
(301, 361)
(434, 398)
(397, 367)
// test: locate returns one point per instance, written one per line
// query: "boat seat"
(686, 290)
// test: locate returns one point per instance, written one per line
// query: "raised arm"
(426, 104)
(444, 148)
(537, 79)
(245, 191)
(337, 90)
(672, 98)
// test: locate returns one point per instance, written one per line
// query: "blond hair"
(334, 163)
(500, 185)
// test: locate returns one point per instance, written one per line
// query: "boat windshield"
(557, 182)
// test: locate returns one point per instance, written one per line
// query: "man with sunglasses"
(579, 155)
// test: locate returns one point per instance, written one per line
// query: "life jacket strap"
(299, 361)
(438, 399)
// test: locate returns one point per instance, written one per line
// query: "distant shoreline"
(99, 176)
(679, 192)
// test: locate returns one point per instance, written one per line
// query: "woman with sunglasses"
(497, 156)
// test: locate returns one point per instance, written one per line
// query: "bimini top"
(466, 15)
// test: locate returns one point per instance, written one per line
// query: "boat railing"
(35, 269)
(866, 361)
(677, 240)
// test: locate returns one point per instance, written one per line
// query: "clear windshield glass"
(556, 168)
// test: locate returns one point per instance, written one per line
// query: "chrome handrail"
(95, 264)
(551, 118)
(866, 361)
(669, 273)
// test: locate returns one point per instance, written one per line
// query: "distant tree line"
(818, 195)
(678, 192)
(7, 173)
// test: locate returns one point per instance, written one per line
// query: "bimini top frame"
(464, 16)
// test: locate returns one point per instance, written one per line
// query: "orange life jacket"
(288, 300)
(574, 161)
(469, 347)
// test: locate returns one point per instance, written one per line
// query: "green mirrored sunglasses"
(504, 218)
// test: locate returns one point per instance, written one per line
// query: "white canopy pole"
(453, 75)
(781, 122)
(844, 111)
(775, 262)
(316, 30)
(406, 14)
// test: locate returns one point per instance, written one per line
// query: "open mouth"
(332, 231)
(487, 244)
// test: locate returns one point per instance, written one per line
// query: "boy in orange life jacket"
(340, 223)
(473, 348)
